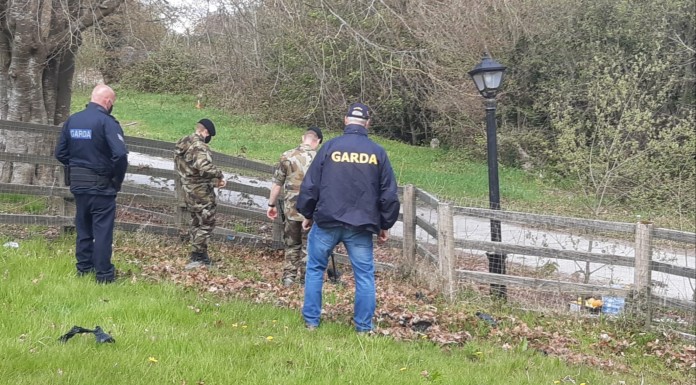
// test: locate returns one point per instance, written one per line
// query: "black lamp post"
(488, 77)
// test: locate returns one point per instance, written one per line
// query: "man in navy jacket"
(348, 194)
(93, 151)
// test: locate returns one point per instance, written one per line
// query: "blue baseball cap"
(358, 110)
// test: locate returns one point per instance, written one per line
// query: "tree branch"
(88, 17)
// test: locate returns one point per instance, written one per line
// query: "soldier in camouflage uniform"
(199, 176)
(288, 176)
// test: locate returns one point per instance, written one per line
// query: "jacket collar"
(355, 129)
(98, 107)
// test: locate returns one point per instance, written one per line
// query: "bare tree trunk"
(38, 43)
(4, 73)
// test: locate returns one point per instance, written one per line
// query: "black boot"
(198, 259)
(205, 258)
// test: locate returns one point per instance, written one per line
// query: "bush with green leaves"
(168, 70)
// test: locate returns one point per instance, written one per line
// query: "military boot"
(205, 258)
(198, 259)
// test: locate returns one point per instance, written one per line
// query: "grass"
(166, 334)
(18, 203)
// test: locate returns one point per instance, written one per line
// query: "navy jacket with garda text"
(92, 139)
(350, 183)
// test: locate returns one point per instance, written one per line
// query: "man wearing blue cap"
(199, 176)
(348, 194)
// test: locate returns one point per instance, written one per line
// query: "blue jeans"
(320, 244)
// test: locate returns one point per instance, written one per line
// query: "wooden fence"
(414, 249)
(643, 233)
(170, 224)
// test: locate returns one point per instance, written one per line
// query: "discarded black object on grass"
(487, 318)
(102, 337)
(75, 330)
(99, 334)
(421, 326)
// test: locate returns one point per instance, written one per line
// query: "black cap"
(317, 131)
(208, 126)
(358, 110)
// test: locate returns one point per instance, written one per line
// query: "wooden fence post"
(278, 228)
(181, 216)
(642, 274)
(278, 224)
(65, 205)
(409, 220)
(445, 241)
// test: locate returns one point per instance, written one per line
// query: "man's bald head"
(104, 96)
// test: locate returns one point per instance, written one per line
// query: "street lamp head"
(488, 76)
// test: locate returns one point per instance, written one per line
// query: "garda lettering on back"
(81, 133)
(353, 157)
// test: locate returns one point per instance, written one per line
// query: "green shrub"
(168, 70)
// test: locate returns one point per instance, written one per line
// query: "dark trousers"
(94, 221)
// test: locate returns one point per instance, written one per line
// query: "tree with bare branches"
(38, 43)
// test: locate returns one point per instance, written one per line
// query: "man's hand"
(383, 235)
(221, 183)
(307, 224)
(272, 213)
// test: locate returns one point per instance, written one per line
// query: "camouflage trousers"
(294, 260)
(202, 225)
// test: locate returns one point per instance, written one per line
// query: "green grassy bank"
(166, 334)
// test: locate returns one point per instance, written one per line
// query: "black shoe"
(108, 279)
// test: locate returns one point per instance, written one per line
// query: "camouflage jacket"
(289, 173)
(194, 164)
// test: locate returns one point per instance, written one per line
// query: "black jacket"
(350, 183)
(92, 139)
